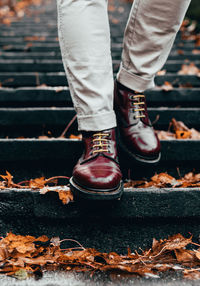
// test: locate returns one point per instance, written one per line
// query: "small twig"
(17, 186)
(23, 182)
(195, 244)
(158, 253)
(68, 126)
(191, 270)
(170, 125)
(178, 171)
(56, 177)
(73, 240)
(47, 181)
(72, 248)
(156, 119)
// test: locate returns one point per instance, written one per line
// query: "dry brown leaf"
(162, 72)
(65, 196)
(197, 254)
(195, 135)
(190, 69)
(167, 86)
(34, 38)
(163, 179)
(183, 134)
(37, 183)
(159, 258)
(78, 137)
(186, 85)
(165, 135)
(180, 52)
(184, 255)
(111, 7)
(181, 131)
(179, 125)
(196, 52)
(192, 274)
(43, 85)
(59, 88)
(43, 137)
(8, 179)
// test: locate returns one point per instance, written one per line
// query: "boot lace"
(138, 104)
(100, 142)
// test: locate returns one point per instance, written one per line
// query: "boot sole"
(104, 194)
(138, 158)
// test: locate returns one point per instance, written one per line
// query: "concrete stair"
(35, 100)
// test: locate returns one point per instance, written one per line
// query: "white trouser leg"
(84, 37)
(148, 38)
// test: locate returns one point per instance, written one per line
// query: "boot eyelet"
(109, 149)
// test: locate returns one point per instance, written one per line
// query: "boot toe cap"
(144, 143)
(101, 178)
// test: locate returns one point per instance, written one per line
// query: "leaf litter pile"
(12, 10)
(42, 184)
(161, 180)
(178, 130)
(164, 180)
(25, 256)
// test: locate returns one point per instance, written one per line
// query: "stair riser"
(44, 97)
(61, 116)
(35, 214)
(36, 158)
(57, 66)
(55, 79)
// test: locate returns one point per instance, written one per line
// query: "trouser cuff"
(96, 122)
(133, 81)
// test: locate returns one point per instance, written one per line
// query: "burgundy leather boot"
(136, 134)
(97, 174)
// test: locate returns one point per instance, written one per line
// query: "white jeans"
(84, 37)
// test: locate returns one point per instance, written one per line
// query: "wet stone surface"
(79, 279)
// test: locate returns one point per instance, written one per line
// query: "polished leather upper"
(136, 131)
(96, 169)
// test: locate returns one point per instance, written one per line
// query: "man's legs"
(84, 36)
(85, 45)
(149, 36)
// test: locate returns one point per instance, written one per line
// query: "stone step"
(31, 158)
(60, 96)
(58, 148)
(48, 47)
(141, 214)
(56, 55)
(62, 115)
(56, 65)
(29, 55)
(14, 79)
(134, 221)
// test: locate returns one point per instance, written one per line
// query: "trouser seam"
(132, 28)
(65, 54)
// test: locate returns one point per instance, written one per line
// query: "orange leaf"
(183, 134)
(167, 86)
(65, 196)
